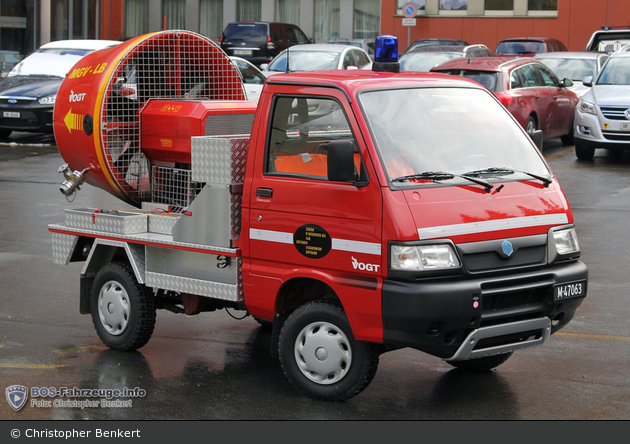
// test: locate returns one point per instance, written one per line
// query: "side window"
(530, 79)
(548, 77)
(348, 60)
(300, 36)
(289, 34)
(362, 59)
(300, 131)
(515, 79)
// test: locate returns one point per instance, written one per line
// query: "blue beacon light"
(386, 54)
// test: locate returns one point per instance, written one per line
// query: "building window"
(288, 11)
(136, 18)
(453, 5)
(326, 20)
(174, 14)
(211, 18)
(367, 19)
(499, 5)
(248, 10)
(542, 5)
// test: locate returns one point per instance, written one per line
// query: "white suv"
(602, 116)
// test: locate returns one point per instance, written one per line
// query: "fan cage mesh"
(175, 65)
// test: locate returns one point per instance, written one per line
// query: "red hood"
(469, 214)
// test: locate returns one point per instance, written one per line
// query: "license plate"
(624, 126)
(566, 291)
(246, 52)
(11, 114)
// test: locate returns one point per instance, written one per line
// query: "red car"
(528, 46)
(530, 91)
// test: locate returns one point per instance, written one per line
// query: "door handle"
(264, 192)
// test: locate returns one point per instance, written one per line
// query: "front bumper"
(32, 118)
(463, 318)
(596, 131)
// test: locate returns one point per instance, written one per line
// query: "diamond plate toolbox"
(219, 159)
(108, 221)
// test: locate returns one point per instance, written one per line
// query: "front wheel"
(583, 152)
(320, 356)
(123, 310)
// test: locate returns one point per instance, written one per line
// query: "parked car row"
(583, 97)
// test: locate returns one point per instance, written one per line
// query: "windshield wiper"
(442, 175)
(500, 170)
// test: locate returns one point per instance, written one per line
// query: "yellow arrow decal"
(73, 121)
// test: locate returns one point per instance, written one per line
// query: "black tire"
(583, 152)
(319, 355)
(481, 364)
(123, 310)
(4, 133)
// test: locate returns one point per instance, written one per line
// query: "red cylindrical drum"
(97, 116)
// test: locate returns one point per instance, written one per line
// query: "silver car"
(318, 56)
(602, 116)
(574, 65)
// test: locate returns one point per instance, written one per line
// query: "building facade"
(27, 24)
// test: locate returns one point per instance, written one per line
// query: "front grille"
(488, 256)
(614, 112)
(618, 136)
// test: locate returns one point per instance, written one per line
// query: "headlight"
(586, 107)
(50, 100)
(566, 241)
(423, 257)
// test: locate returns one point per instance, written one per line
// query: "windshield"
(424, 61)
(44, 63)
(615, 72)
(520, 48)
(305, 61)
(574, 69)
(245, 31)
(448, 130)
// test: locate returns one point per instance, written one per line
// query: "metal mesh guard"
(167, 65)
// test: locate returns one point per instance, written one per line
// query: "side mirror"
(566, 82)
(341, 161)
(537, 137)
(588, 81)
(264, 66)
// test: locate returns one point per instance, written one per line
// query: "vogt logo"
(364, 267)
(76, 97)
(16, 396)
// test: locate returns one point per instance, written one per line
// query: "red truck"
(354, 212)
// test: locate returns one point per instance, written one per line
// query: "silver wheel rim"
(323, 353)
(531, 127)
(114, 307)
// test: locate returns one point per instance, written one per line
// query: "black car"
(260, 42)
(29, 91)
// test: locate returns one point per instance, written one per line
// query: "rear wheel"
(123, 310)
(481, 364)
(320, 356)
(531, 125)
(4, 133)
